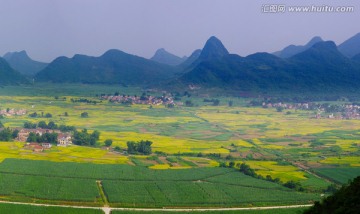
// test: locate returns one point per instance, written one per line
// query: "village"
(63, 139)
(166, 100)
(330, 111)
(11, 112)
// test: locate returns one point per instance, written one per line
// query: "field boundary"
(107, 210)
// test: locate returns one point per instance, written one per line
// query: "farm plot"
(339, 174)
(48, 188)
(29, 209)
(195, 193)
(104, 171)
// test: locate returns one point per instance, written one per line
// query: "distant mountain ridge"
(319, 67)
(21, 62)
(163, 56)
(113, 67)
(9, 76)
(292, 50)
(351, 46)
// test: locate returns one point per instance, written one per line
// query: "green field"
(270, 211)
(340, 174)
(29, 209)
(134, 186)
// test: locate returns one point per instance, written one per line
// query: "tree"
(15, 133)
(216, 102)
(48, 115)
(29, 125)
(52, 125)
(6, 135)
(279, 109)
(108, 142)
(131, 147)
(33, 114)
(84, 115)
(117, 148)
(142, 147)
(345, 200)
(42, 124)
(32, 137)
(86, 139)
(230, 103)
(1, 125)
(189, 103)
(66, 114)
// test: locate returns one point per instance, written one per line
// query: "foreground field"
(30, 209)
(131, 186)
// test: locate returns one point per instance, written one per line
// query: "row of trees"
(50, 125)
(44, 138)
(35, 114)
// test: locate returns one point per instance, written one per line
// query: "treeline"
(247, 170)
(44, 138)
(141, 147)
(35, 114)
(84, 100)
(215, 102)
(345, 200)
(6, 134)
(83, 138)
(50, 125)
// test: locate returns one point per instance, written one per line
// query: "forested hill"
(113, 67)
(9, 76)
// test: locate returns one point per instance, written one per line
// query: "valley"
(196, 151)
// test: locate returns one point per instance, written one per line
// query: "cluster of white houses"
(63, 139)
(148, 100)
(11, 112)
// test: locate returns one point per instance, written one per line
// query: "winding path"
(107, 210)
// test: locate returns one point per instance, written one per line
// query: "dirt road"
(107, 210)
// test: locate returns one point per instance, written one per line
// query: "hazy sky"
(47, 29)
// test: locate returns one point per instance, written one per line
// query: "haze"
(48, 29)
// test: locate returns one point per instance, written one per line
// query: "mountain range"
(21, 62)
(113, 67)
(9, 76)
(162, 56)
(317, 65)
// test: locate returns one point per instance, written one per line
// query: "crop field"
(28, 209)
(271, 211)
(132, 186)
(189, 145)
(339, 174)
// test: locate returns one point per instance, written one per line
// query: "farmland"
(133, 186)
(189, 145)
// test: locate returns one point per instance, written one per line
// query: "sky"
(47, 29)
